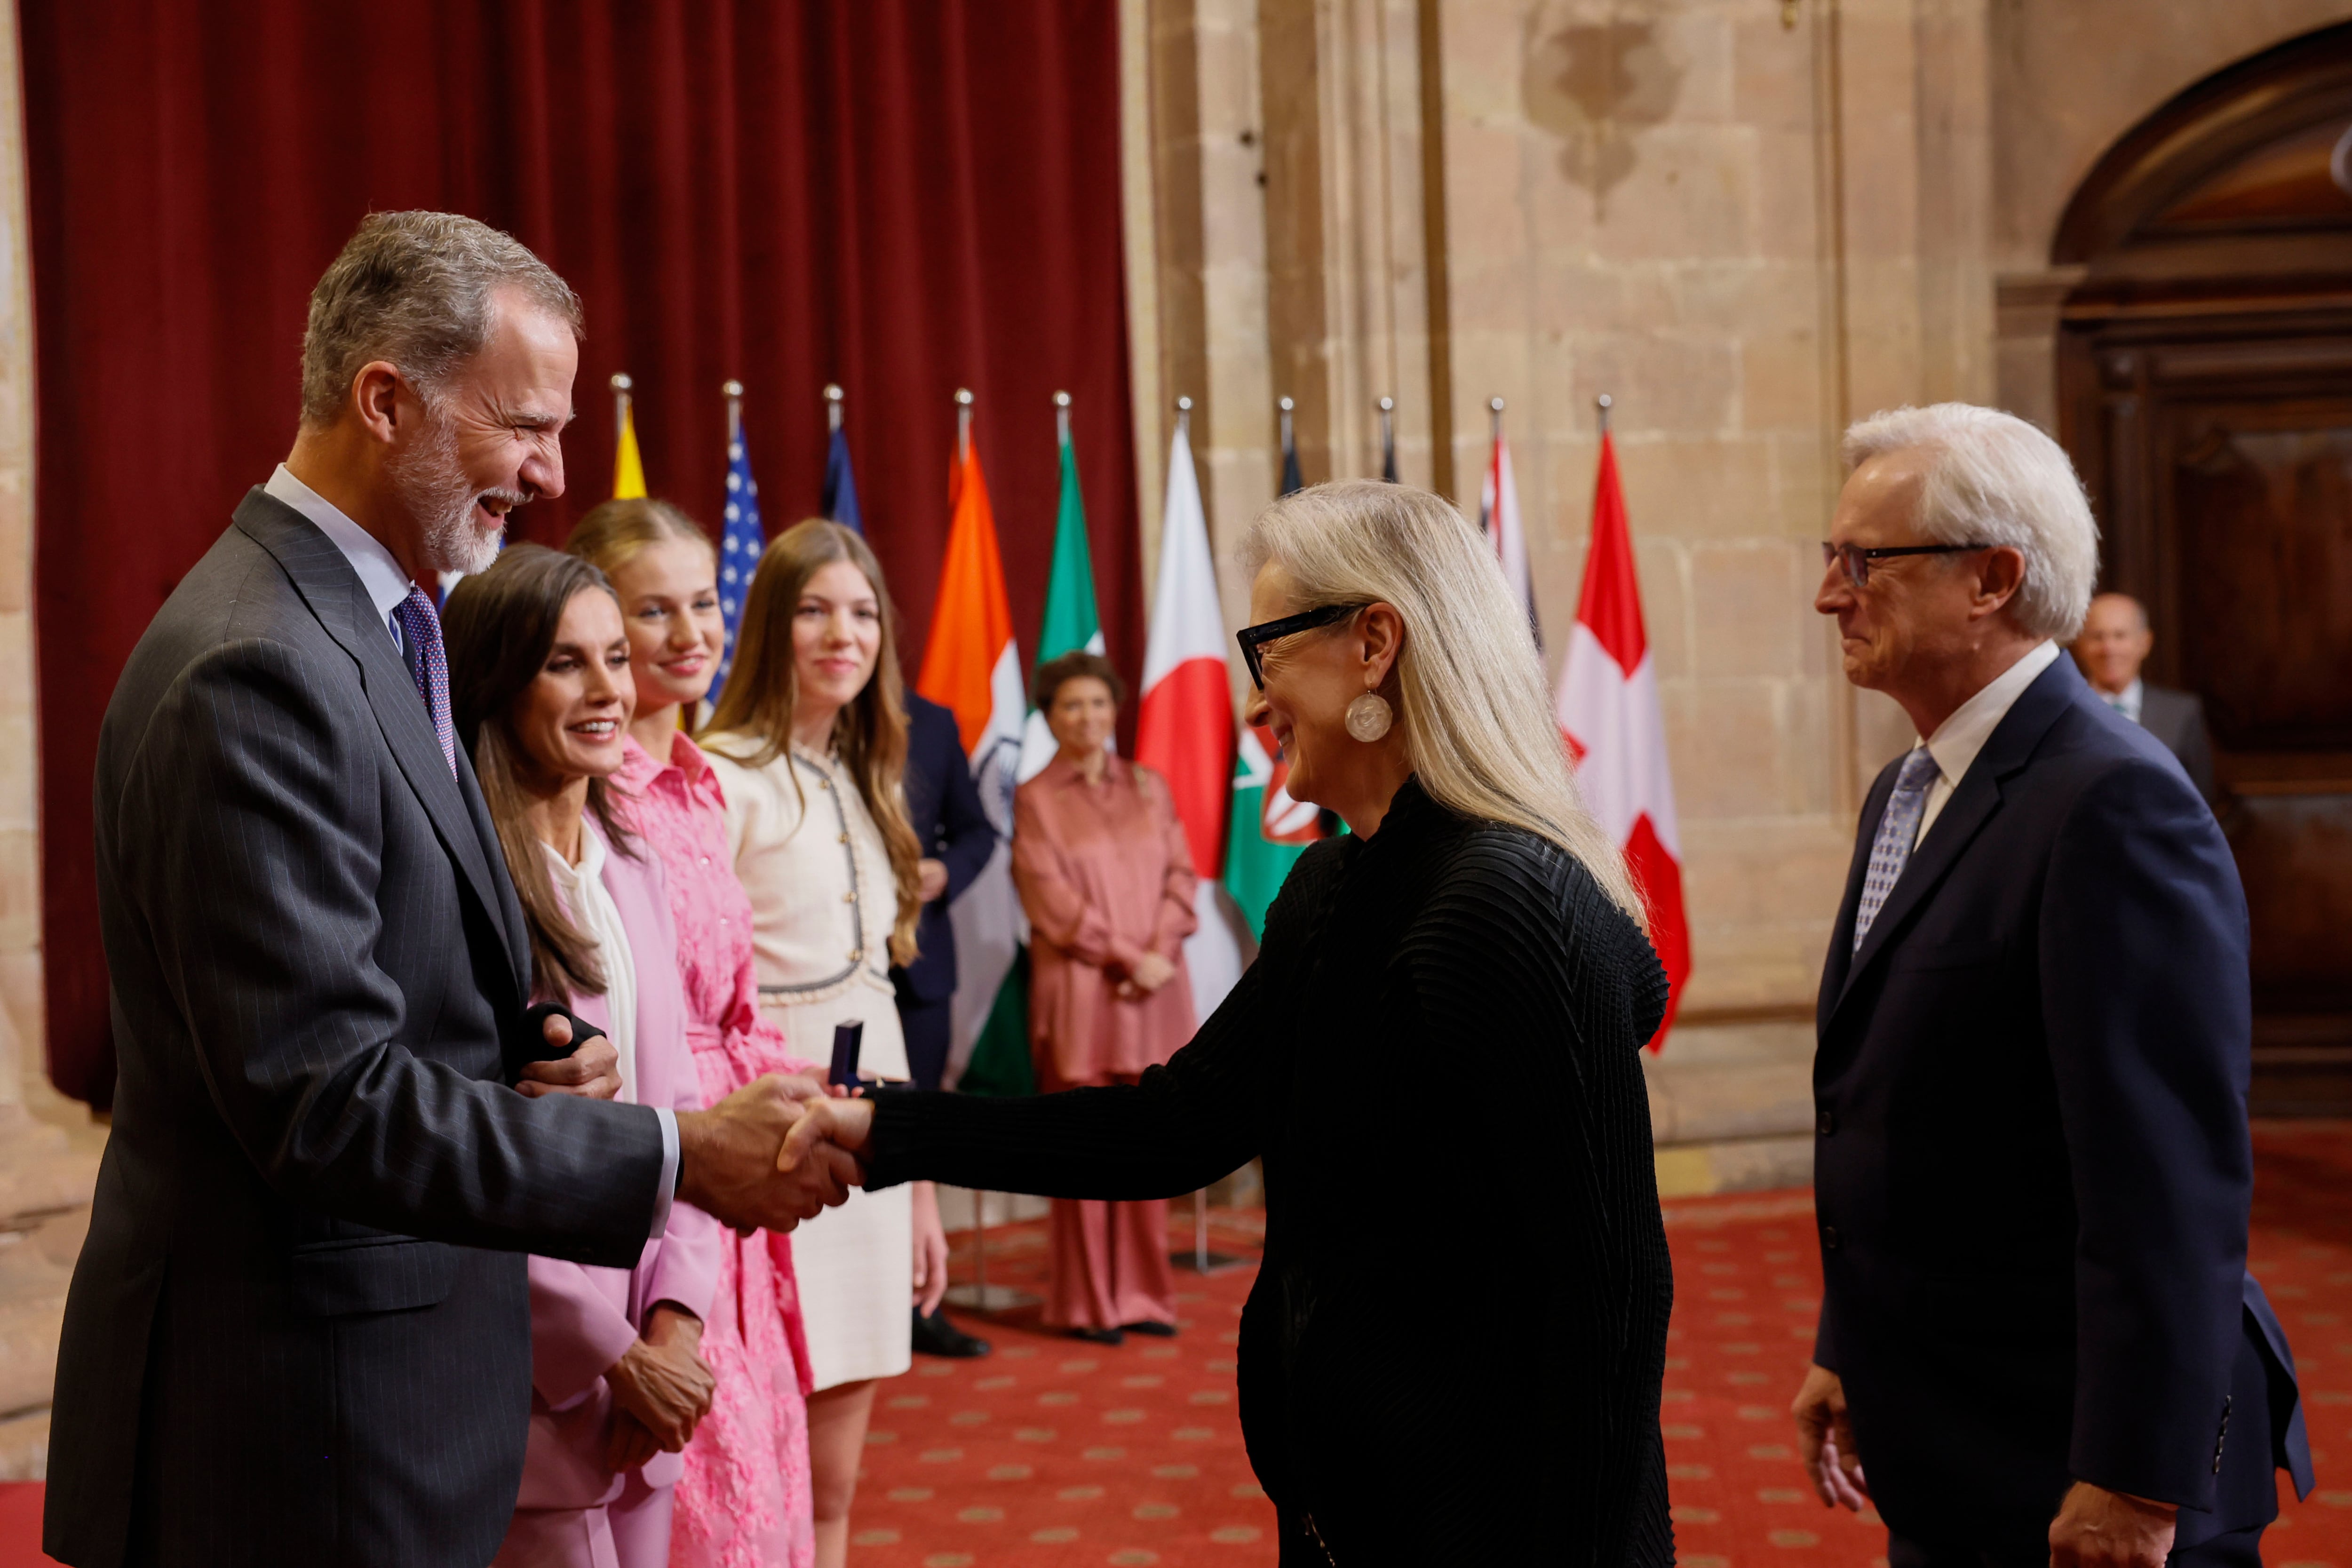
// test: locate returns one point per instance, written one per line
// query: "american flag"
(739, 545)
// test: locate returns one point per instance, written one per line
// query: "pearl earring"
(1369, 716)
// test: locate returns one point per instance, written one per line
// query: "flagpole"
(1285, 404)
(1062, 417)
(1603, 402)
(964, 423)
(620, 387)
(1494, 419)
(833, 396)
(732, 390)
(1203, 1260)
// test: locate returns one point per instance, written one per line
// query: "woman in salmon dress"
(744, 1498)
(1106, 880)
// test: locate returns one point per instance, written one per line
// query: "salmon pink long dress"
(1105, 876)
(743, 1500)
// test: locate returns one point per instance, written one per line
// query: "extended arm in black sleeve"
(1183, 1127)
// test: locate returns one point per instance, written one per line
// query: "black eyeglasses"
(1254, 638)
(1856, 560)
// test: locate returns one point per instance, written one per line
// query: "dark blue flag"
(841, 485)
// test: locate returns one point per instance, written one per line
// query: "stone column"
(48, 1148)
(1347, 235)
(1196, 224)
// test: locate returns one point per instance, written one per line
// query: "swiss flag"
(1608, 709)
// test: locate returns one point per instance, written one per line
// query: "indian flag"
(972, 667)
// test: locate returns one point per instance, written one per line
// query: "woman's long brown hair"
(871, 731)
(499, 627)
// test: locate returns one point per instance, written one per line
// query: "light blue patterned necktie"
(1890, 851)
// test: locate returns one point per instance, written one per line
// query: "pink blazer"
(583, 1318)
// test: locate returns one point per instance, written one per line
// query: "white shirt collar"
(380, 574)
(1959, 739)
(2129, 700)
(572, 878)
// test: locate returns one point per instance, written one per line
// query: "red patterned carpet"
(1052, 1452)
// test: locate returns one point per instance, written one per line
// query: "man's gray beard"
(433, 485)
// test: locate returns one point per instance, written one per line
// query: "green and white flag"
(1270, 831)
(1072, 621)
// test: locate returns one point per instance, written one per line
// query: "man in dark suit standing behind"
(957, 839)
(300, 1331)
(2115, 641)
(2038, 1342)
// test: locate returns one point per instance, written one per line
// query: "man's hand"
(2099, 1529)
(831, 1129)
(592, 1072)
(1825, 1441)
(1152, 971)
(729, 1158)
(930, 878)
(664, 1388)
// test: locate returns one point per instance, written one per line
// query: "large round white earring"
(1369, 716)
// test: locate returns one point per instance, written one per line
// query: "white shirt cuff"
(667, 1188)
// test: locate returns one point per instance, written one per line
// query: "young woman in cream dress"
(808, 743)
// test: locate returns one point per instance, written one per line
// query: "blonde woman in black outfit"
(1437, 1045)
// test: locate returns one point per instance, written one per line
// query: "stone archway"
(2204, 374)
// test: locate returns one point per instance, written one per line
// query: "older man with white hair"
(2037, 1340)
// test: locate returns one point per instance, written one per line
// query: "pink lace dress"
(743, 1500)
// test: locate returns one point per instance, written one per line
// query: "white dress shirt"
(2126, 701)
(387, 588)
(582, 887)
(1959, 739)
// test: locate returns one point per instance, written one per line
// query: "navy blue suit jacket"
(944, 804)
(2031, 1163)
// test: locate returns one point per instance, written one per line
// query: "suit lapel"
(328, 585)
(2006, 753)
(1839, 963)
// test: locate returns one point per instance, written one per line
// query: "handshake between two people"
(782, 1149)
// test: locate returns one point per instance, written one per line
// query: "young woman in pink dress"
(744, 1498)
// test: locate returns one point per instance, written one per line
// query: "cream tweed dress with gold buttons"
(822, 902)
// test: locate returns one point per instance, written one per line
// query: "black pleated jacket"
(1453, 1349)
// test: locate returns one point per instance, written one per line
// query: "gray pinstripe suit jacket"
(300, 1332)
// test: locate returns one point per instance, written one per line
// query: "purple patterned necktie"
(1890, 850)
(422, 629)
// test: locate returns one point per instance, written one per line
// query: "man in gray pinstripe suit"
(299, 1331)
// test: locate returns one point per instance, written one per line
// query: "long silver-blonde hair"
(1474, 707)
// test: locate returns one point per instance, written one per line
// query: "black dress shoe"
(1156, 1331)
(1099, 1336)
(935, 1335)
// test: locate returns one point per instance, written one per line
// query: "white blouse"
(823, 896)
(582, 889)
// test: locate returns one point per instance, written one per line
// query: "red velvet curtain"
(904, 196)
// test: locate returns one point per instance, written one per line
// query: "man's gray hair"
(414, 290)
(1996, 479)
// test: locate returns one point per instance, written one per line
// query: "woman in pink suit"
(1107, 878)
(540, 694)
(744, 1500)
